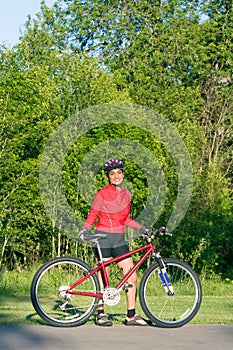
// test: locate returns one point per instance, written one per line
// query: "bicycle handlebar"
(162, 231)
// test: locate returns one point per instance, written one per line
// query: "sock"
(100, 311)
(131, 313)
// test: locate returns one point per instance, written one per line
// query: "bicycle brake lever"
(164, 231)
(168, 234)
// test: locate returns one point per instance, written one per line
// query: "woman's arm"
(132, 223)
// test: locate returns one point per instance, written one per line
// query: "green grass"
(16, 308)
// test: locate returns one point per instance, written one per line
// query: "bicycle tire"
(170, 311)
(48, 298)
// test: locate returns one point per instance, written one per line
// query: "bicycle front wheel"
(166, 310)
(48, 292)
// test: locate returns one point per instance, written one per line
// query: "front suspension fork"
(166, 281)
(162, 272)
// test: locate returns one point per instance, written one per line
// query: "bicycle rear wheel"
(165, 310)
(50, 300)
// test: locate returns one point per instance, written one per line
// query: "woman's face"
(116, 176)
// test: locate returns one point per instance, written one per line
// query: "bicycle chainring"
(110, 296)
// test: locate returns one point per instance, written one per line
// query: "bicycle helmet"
(113, 163)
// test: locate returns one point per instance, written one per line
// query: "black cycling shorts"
(112, 246)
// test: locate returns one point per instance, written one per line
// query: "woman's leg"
(132, 318)
(101, 318)
(101, 307)
(125, 265)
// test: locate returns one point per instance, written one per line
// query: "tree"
(35, 97)
(172, 56)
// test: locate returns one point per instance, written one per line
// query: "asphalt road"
(117, 337)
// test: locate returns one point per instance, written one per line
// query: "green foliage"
(172, 56)
(34, 98)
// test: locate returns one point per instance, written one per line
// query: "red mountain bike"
(65, 291)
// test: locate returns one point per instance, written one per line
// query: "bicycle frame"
(149, 249)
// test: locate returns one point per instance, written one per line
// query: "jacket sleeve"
(93, 213)
(132, 223)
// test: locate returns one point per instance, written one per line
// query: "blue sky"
(13, 15)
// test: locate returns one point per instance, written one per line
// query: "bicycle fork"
(162, 272)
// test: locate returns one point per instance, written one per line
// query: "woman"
(111, 209)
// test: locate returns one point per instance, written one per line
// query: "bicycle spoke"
(51, 300)
(171, 310)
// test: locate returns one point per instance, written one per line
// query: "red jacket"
(112, 208)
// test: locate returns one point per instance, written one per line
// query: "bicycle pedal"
(127, 286)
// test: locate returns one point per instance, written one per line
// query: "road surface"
(117, 337)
